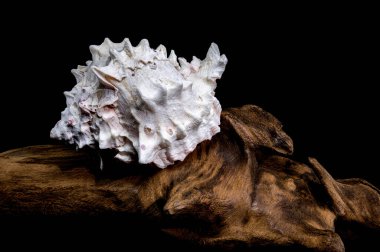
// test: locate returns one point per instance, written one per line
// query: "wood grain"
(239, 190)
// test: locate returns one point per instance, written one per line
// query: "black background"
(314, 67)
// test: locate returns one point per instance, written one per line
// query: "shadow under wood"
(357, 237)
(101, 233)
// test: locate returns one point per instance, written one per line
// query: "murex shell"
(142, 103)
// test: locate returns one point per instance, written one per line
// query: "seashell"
(145, 105)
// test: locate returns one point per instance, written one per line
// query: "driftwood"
(241, 189)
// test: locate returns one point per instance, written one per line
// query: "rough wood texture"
(241, 189)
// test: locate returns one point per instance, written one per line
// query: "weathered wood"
(241, 189)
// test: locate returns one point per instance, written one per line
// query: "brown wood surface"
(241, 189)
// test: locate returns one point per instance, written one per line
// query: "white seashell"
(142, 103)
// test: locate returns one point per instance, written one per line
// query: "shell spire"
(146, 105)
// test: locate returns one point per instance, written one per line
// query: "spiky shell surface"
(146, 105)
